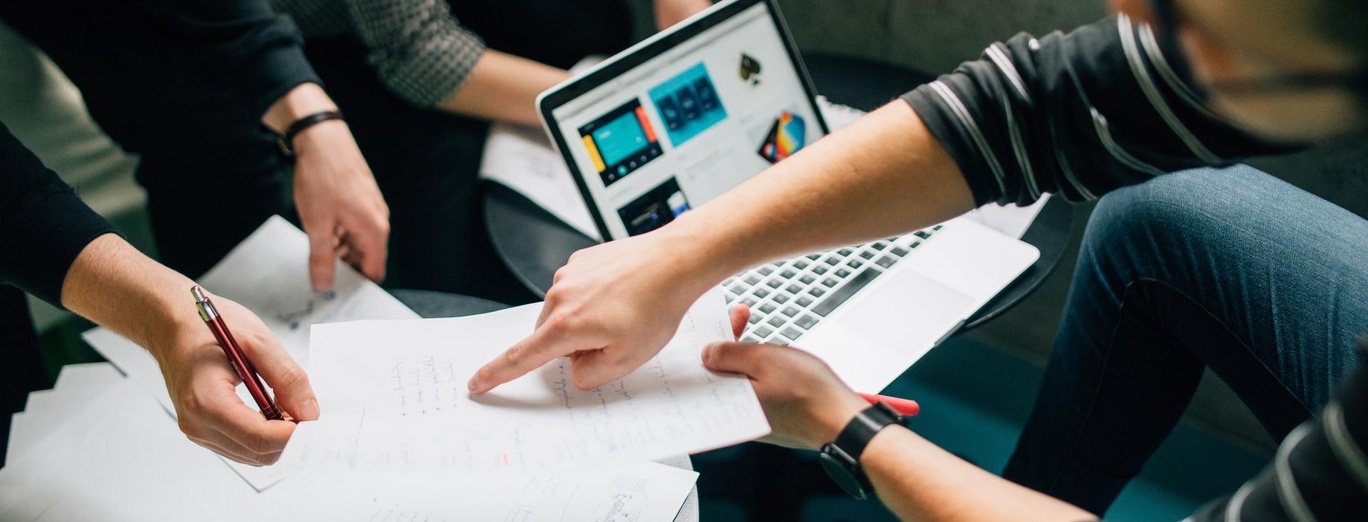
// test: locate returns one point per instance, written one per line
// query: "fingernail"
(308, 410)
(473, 385)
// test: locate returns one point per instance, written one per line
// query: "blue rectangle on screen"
(689, 104)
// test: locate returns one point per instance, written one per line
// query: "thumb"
(743, 358)
(293, 393)
(322, 255)
(740, 315)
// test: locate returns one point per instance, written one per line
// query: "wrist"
(834, 418)
(301, 101)
(725, 258)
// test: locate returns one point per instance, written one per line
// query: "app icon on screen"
(787, 136)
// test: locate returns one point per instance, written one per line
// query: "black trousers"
(427, 160)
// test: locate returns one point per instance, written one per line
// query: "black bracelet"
(286, 140)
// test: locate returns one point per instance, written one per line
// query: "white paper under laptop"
(686, 115)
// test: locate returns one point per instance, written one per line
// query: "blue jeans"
(1229, 269)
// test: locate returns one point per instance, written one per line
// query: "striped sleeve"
(1320, 471)
(1076, 114)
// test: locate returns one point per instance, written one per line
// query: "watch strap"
(841, 458)
(861, 429)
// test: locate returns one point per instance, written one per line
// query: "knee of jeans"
(1188, 205)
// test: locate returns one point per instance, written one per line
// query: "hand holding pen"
(202, 379)
(244, 368)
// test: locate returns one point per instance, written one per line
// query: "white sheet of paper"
(521, 158)
(269, 274)
(119, 459)
(394, 396)
(643, 492)
(48, 409)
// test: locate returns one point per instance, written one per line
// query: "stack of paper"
(97, 447)
(104, 445)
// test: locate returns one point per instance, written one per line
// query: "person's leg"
(1231, 269)
(21, 365)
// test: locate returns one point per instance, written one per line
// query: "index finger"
(322, 251)
(545, 344)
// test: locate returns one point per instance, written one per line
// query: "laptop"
(680, 118)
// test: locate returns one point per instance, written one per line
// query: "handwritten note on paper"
(395, 397)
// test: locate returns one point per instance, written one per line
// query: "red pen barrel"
(244, 368)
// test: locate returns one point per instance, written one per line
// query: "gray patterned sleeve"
(416, 46)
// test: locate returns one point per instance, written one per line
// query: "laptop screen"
(681, 118)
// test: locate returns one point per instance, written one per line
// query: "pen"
(244, 367)
(904, 407)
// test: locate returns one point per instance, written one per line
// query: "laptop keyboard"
(788, 298)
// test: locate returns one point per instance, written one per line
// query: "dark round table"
(534, 243)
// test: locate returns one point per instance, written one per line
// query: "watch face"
(840, 471)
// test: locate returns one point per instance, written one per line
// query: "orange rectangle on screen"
(645, 124)
(594, 154)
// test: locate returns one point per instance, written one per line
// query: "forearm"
(882, 176)
(504, 87)
(116, 286)
(919, 481)
(670, 12)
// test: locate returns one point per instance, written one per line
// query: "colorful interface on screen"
(620, 142)
(689, 124)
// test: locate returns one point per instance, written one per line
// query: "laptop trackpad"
(908, 312)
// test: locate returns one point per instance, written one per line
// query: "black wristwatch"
(841, 458)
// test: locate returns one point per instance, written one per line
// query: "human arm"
(1084, 126)
(670, 12)
(55, 247)
(916, 479)
(503, 87)
(109, 273)
(339, 203)
(1319, 468)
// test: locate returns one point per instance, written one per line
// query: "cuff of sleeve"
(945, 126)
(47, 236)
(428, 76)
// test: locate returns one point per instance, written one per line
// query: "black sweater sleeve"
(43, 225)
(1320, 471)
(1076, 115)
(243, 43)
